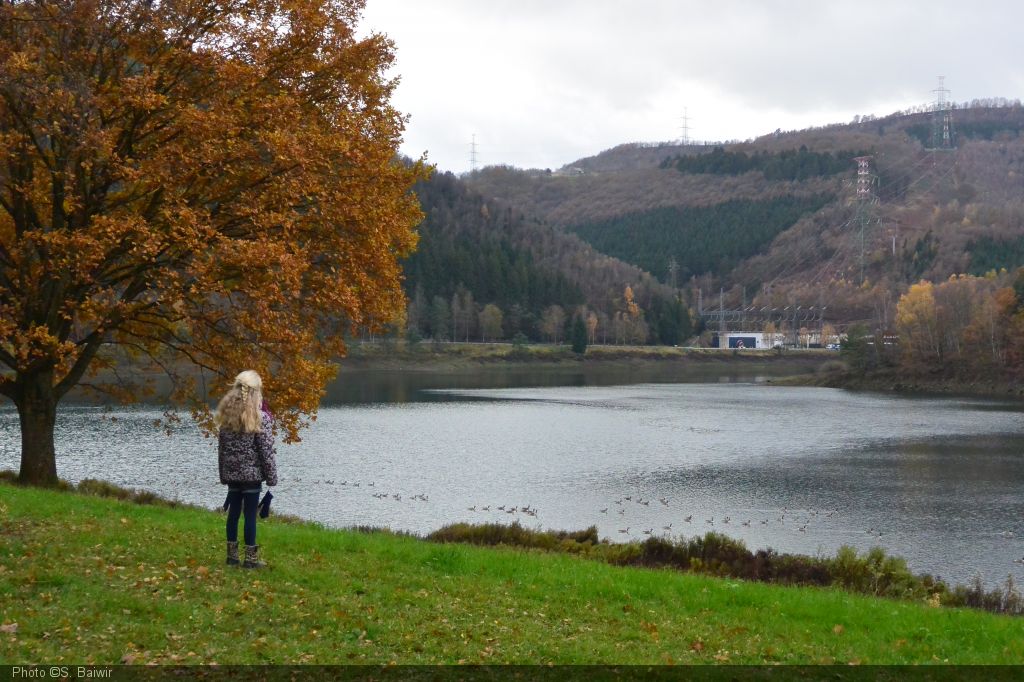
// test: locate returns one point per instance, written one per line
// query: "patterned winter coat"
(248, 457)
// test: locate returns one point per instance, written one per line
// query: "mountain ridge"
(931, 213)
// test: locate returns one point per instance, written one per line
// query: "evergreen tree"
(579, 336)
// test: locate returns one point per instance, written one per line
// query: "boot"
(232, 553)
(252, 557)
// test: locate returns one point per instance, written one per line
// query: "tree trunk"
(37, 411)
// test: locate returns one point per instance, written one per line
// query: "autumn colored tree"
(553, 323)
(917, 324)
(193, 187)
(491, 319)
(592, 327)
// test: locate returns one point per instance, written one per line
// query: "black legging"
(242, 500)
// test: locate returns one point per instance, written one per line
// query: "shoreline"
(458, 355)
(890, 382)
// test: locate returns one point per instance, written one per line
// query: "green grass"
(91, 580)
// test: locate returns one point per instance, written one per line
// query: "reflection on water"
(411, 385)
(938, 481)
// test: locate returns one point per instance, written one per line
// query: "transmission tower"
(942, 118)
(673, 272)
(472, 154)
(685, 128)
(865, 202)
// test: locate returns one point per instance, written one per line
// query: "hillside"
(715, 210)
(486, 270)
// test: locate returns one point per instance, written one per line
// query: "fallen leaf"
(838, 629)
(697, 645)
(9, 628)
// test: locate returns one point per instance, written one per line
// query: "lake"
(939, 481)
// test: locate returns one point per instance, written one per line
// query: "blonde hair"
(239, 409)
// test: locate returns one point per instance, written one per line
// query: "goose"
(605, 510)
(624, 530)
(688, 518)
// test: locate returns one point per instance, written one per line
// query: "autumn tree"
(194, 187)
(917, 324)
(490, 323)
(592, 327)
(553, 323)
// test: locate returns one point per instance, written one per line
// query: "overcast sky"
(542, 83)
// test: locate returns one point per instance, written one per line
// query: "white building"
(740, 340)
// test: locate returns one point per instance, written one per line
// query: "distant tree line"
(968, 130)
(792, 164)
(702, 239)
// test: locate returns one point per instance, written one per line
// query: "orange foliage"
(190, 184)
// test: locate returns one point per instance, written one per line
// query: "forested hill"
(484, 270)
(777, 220)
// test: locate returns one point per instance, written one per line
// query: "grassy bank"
(428, 355)
(86, 579)
(835, 374)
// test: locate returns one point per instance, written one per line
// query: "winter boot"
(252, 557)
(232, 553)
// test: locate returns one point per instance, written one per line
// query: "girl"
(245, 451)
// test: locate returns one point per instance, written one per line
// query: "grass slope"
(91, 580)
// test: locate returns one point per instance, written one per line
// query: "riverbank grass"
(91, 580)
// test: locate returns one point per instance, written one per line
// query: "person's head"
(239, 409)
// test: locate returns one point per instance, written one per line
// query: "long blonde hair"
(239, 409)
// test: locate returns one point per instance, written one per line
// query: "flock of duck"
(801, 523)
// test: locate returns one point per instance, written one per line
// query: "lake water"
(939, 481)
